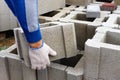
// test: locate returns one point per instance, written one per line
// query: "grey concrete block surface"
(102, 55)
(76, 73)
(4, 75)
(43, 8)
(57, 72)
(57, 40)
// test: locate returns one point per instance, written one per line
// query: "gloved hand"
(39, 57)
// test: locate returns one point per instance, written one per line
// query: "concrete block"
(75, 73)
(14, 66)
(52, 39)
(43, 8)
(7, 20)
(4, 75)
(42, 74)
(53, 15)
(102, 56)
(17, 69)
(91, 57)
(81, 22)
(112, 22)
(57, 72)
(11, 48)
(78, 2)
(93, 11)
(91, 29)
(28, 73)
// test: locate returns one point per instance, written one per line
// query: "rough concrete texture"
(84, 27)
(57, 72)
(56, 40)
(16, 69)
(102, 55)
(44, 7)
(112, 22)
(7, 20)
(42, 74)
(28, 73)
(4, 75)
(53, 15)
(78, 2)
(14, 66)
(75, 73)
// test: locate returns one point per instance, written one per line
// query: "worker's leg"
(27, 14)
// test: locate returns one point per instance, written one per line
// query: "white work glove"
(40, 57)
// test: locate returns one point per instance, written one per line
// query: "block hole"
(113, 38)
(6, 39)
(50, 14)
(82, 17)
(71, 62)
(67, 5)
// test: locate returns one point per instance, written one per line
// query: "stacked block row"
(102, 55)
(12, 68)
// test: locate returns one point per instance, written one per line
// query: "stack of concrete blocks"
(78, 2)
(7, 20)
(102, 55)
(82, 26)
(112, 22)
(54, 15)
(59, 36)
(13, 68)
(45, 6)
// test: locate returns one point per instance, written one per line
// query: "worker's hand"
(40, 56)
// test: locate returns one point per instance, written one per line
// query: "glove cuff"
(37, 48)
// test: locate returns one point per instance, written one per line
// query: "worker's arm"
(26, 11)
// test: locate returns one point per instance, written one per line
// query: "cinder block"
(57, 72)
(53, 15)
(43, 8)
(17, 70)
(14, 66)
(42, 74)
(113, 21)
(81, 22)
(56, 40)
(91, 57)
(75, 73)
(7, 20)
(102, 55)
(28, 73)
(78, 2)
(4, 75)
